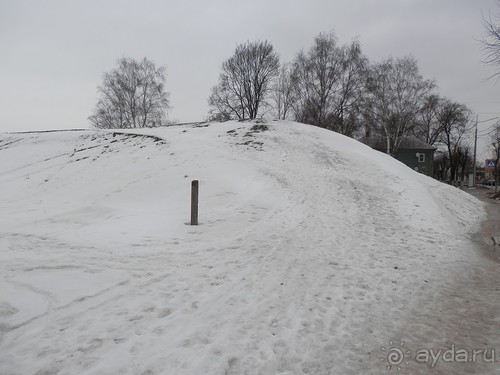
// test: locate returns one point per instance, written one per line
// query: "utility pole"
(475, 147)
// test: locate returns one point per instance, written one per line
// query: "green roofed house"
(413, 152)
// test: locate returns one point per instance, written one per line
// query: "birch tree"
(396, 91)
(329, 83)
(283, 94)
(132, 96)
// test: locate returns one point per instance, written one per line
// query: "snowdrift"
(312, 252)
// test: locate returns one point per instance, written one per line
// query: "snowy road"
(313, 253)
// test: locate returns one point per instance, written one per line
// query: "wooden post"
(194, 202)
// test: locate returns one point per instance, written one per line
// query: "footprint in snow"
(92, 345)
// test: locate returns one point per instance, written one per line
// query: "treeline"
(330, 85)
(334, 86)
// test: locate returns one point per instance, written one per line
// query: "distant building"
(413, 152)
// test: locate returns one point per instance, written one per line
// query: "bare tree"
(132, 96)
(396, 91)
(427, 127)
(245, 81)
(329, 82)
(283, 93)
(352, 89)
(443, 122)
(316, 75)
(454, 118)
(224, 103)
(462, 158)
(495, 149)
(441, 165)
(491, 41)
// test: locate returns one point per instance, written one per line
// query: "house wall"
(409, 157)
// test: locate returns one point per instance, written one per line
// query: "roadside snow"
(313, 251)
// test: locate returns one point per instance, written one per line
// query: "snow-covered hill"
(312, 253)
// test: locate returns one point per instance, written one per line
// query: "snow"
(312, 251)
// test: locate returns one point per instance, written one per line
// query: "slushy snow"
(313, 251)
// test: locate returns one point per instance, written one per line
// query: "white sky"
(53, 53)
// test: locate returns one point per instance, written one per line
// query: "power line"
(482, 134)
(488, 130)
(490, 119)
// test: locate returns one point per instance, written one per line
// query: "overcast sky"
(53, 53)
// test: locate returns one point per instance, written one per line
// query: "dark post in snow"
(194, 202)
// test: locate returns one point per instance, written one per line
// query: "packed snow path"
(312, 253)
